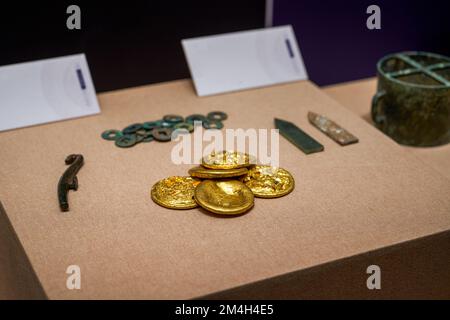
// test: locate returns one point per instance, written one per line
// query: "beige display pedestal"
(368, 203)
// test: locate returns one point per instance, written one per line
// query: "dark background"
(337, 46)
(127, 43)
(138, 42)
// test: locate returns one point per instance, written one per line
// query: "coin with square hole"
(126, 141)
(217, 115)
(146, 135)
(112, 134)
(150, 125)
(184, 125)
(195, 117)
(212, 124)
(162, 134)
(132, 128)
(173, 118)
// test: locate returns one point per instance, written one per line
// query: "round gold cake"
(228, 197)
(268, 182)
(227, 160)
(205, 173)
(175, 192)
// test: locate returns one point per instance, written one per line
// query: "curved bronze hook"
(68, 180)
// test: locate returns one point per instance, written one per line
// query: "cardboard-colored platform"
(349, 202)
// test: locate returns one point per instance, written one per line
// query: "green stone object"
(183, 125)
(195, 117)
(148, 138)
(217, 116)
(150, 125)
(112, 134)
(298, 137)
(212, 124)
(166, 124)
(161, 130)
(173, 118)
(412, 103)
(162, 134)
(132, 128)
(126, 141)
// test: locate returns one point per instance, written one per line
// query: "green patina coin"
(132, 128)
(149, 138)
(150, 125)
(162, 134)
(112, 134)
(195, 117)
(166, 124)
(161, 130)
(213, 124)
(183, 125)
(139, 138)
(126, 141)
(173, 118)
(217, 116)
(144, 135)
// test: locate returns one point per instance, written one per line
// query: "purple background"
(138, 42)
(337, 46)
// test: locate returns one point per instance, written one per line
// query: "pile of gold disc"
(226, 184)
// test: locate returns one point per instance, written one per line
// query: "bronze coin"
(162, 134)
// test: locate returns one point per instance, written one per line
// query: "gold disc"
(226, 197)
(269, 182)
(175, 192)
(205, 173)
(227, 160)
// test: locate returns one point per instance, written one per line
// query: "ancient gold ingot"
(227, 197)
(175, 192)
(205, 173)
(269, 182)
(331, 129)
(227, 160)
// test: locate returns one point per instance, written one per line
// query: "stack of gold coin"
(225, 183)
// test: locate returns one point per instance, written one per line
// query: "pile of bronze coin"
(161, 130)
(225, 183)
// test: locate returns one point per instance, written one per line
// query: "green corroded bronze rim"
(413, 66)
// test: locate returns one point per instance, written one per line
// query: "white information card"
(243, 60)
(46, 90)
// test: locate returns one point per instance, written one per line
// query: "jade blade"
(298, 137)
